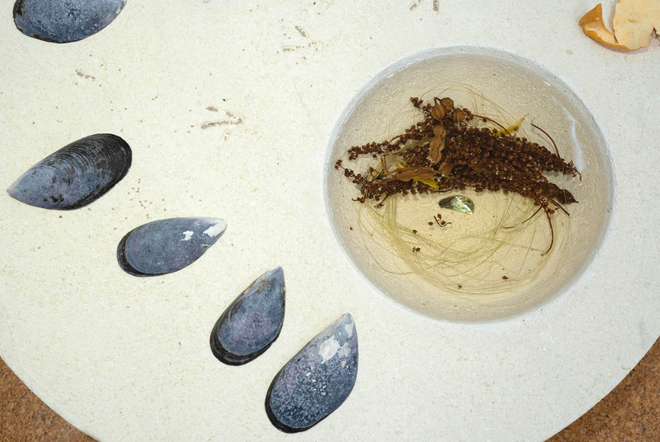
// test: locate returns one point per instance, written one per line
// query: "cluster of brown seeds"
(445, 151)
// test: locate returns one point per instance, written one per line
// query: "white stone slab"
(128, 359)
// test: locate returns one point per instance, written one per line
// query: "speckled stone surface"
(234, 119)
(317, 380)
(253, 321)
(64, 21)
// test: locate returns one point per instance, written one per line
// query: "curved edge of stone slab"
(317, 380)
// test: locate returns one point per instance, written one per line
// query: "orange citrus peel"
(634, 21)
(593, 26)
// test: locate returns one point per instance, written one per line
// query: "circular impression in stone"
(494, 263)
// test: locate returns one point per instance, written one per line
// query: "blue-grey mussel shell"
(317, 380)
(167, 245)
(249, 326)
(76, 175)
(64, 21)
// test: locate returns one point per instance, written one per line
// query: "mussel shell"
(250, 325)
(458, 203)
(76, 175)
(317, 380)
(167, 245)
(64, 21)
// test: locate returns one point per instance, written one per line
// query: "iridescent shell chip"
(459, 203)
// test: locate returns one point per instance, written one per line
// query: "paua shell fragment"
(64, 21)
(75, 175)
(167, 245)
(317, 380)
(459, 203)
(252, 322)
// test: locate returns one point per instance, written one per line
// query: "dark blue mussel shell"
(76, 175)
(317, 380)
(64, 21)
(167, 245)
(252, 322)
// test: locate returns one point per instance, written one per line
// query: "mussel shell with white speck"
(75, 175)
(167, 245)
(317, 380)
(64, 21)
(250, 325)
